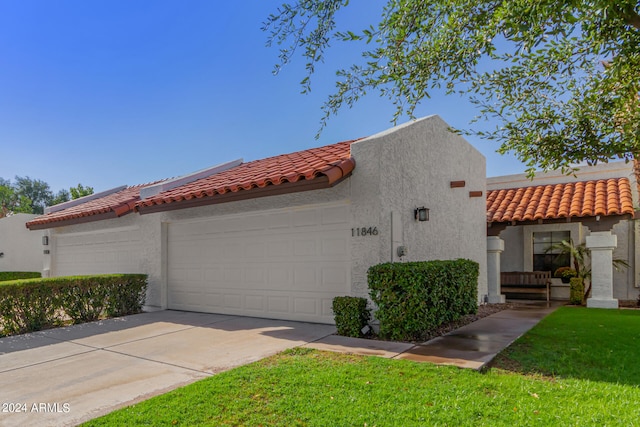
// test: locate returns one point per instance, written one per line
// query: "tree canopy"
(561, 79)
(28, 195)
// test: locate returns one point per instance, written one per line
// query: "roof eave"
(38, 225)
(323, 181)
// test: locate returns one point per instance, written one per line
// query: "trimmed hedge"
(35, 304)
(415, 297)
(17, 275)
(351, 315)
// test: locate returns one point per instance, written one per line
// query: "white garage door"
(115, 250)
(284, 264)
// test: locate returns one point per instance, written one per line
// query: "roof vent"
(155, 189)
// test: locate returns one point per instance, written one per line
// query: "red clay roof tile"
(578, 199)
(332, 161)
(110, 206)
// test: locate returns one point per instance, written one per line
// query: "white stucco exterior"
(21, 249)
(397, 171)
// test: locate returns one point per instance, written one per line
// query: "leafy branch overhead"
(561, 79)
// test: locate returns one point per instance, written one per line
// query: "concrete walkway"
(62, 377)
(65, 376)
(472, 346)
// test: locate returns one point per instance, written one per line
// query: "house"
(20, 250)
(595, 206)
(281, 237)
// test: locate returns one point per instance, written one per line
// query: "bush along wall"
(415, 297)
(35, 304)
(351, 315)
(17, 275)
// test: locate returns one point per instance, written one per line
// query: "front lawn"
(312, 388)
(582, 343)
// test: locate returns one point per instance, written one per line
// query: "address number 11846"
(364, 231)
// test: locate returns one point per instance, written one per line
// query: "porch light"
(421, 214)
(45, 240)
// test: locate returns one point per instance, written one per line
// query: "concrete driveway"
(69, 375)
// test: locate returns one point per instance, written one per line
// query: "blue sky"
(114, 92)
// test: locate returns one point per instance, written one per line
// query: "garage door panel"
(306, 306)
(280, 264)
(277, 220)
(333, 277)
(232, 301)
(335, 215)
(254, 302)
(98, 252)
(278, 304)
(335, 247)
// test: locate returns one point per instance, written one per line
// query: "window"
(545, 259)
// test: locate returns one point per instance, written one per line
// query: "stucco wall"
(151, 250)
(396, 171)
(412, 166)
(22, 248)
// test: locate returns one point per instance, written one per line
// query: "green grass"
(573, 342)
(304, 387)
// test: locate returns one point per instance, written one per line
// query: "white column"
(495, 247)
(602, 244)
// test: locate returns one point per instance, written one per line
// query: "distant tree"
(10, 202)
(60, 197)
(80, 191)
(35, 190)
(33, 195)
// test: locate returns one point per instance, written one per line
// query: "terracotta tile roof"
(333, 162)
(577, 199)
(111, 206)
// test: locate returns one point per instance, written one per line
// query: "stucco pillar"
(495, 247)
(602, 244)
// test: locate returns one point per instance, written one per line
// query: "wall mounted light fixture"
(421, 214)
(45, 240)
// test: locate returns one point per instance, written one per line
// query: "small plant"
(576, 290)
(580, 255)
(565, 273)
(351, 315)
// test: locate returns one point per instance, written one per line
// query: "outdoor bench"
(526, 282)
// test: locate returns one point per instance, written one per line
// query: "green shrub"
(576, 290)
(28, 306)
(35, 304)
(17, 275)
(414, 297)
(351, 315)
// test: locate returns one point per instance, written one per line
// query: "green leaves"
(560, 78)
(28, 195)
(414, 297)
(35, 304)
(351, 315)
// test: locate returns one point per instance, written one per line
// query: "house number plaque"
(364, 231)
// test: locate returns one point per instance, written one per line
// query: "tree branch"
(632, 18)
